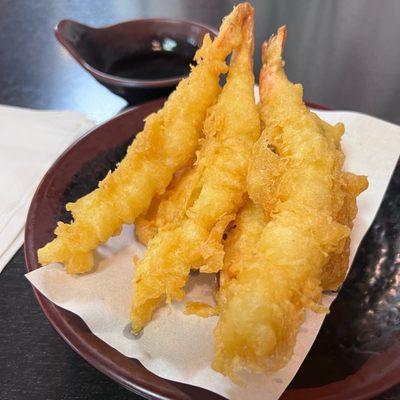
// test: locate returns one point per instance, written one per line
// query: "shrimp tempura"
(262, 300)
(217, 186)
(170, 207)
(166, 144)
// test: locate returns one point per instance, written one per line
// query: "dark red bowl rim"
(120, 368)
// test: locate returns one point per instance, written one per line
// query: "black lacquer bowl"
(158, 50)
(357, 352)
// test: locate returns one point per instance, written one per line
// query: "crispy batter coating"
(171, 206)
(231, 128)
(200, 309)
(166, 144)
(334, 271)
(262, 299)
(239, 245)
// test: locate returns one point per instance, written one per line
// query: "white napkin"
(180, 347)
(30, 141)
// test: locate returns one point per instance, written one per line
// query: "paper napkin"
(30, 141)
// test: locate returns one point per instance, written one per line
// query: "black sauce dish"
(138, 60)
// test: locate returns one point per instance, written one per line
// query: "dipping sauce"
(152, 65)
(163, 59)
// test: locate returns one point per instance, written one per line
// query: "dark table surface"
(346, 53)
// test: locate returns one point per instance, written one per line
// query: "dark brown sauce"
(151, 65)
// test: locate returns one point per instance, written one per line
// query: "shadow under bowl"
(138, 60)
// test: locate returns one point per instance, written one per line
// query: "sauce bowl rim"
(117, 80)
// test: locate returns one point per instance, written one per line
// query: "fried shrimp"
(216, 192)
(334, 271)
(306, 223)
(239, 245)
(167, 143)
(170, 207)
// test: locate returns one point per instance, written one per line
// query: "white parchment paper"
(180, 347)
